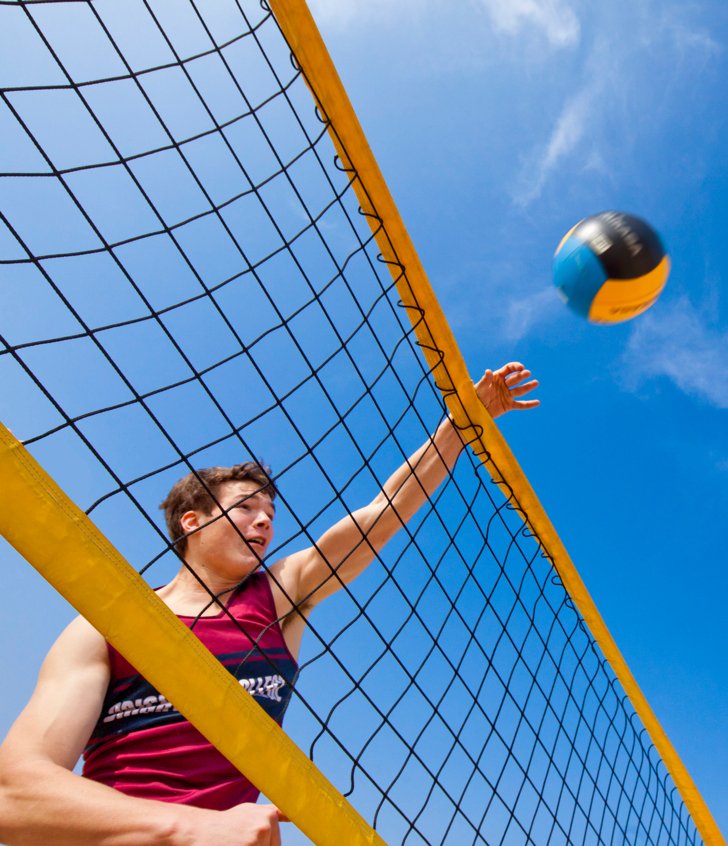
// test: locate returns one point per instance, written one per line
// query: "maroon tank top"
(144, 747)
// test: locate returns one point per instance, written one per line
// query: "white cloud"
(617, 78)
(568, 132)
(553, 18)
(503, 295)
(675, 342)
(686, 39)
(343, 14)
(524, 312)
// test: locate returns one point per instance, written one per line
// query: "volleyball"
(610, 267)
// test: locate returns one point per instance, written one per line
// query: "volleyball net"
(202, 265)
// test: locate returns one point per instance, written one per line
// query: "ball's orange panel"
(623, 299)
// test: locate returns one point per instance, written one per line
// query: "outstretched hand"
(500, 390)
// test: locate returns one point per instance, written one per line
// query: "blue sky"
(499, 126)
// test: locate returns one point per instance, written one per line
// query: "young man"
(149, 777)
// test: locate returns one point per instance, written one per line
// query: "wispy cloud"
(524, 312)
(516, 305)
(553, 18)
(617, 77)
(341, 14)
(676, 343)
(685, 39)
(568, 132)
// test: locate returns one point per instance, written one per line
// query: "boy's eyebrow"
(255, 495)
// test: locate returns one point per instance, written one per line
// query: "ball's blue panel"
(578, 274)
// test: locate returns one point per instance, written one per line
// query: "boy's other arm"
(42, 801)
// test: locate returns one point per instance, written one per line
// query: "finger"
(511, 367)
(275, 834)
(517, 376)
(521, 404)
(282, 817)
(525, 388)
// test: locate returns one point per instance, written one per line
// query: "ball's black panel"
(626, 246)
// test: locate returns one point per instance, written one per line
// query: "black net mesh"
(187, 281)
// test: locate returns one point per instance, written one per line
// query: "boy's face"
(234, 539)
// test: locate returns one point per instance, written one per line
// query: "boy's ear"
(189, 522)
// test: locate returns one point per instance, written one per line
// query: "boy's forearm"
(43, 803)
(424, 471)
(406, 490)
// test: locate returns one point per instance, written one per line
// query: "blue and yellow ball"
(610, 267)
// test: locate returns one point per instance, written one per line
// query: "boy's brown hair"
(195, 491)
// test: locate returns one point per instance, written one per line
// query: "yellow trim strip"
(62, 543)
(450, 372)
